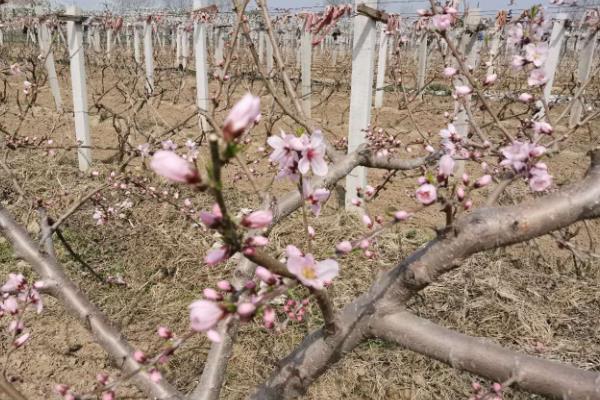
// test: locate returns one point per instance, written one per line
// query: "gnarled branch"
(484, 229)
(78, 305)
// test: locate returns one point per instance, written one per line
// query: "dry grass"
(531, 297)
(537, 306)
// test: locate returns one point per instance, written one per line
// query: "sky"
(389, 5)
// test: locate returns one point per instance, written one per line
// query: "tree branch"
(78, 305)
(487, 359)
(483, 229)
(212, 378)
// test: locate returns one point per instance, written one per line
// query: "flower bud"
(401, 216)
(139, 356)
(225, 286)
(258, 219)
(165, 332)
(265, 275)
(246, 310)
(483, 181)
(212, 294)
(344, 247)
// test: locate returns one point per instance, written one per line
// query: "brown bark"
(487, 359)
(78, 305)
(483, 229)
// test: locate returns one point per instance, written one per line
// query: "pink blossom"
(293, 251)
(269, 317)
(449, 72)
(35, 299)
(285, 152)
(536, 53)
(446, 166)
(517, 62)
(542, 127)
(164, 332)
(496, 387)
(213, 336)
(460, 193)
(343, 247)
(311, 232)
(462, 90)
(364, 244)
(169, 145)
(426, 194)
(169, 165)
(539, 179)
(537, 77)
(139, 356)
(14, 283)
(525, 97)
(16, 326)
(216, 256)
(311, 273)
(490, 79)
(27, 87)
(204, 315)
(102, 378)
(536, 151)
(538, 168)
(242, 116)
(369, 190)
(211, 294)
(265, 275)
(212, 219)
(449, 133)
(314, 197)
(257, 241)
(515, 34)
(246, 310)
(441, 22)
(258, 219)
(515, 155)
(155, 375)
(483, 181)
(313, 156)
(109, 395)
(20, 341)
(367, 221)
(61, 389)
(225, 286)
(401, 216)
(10, 305)
(100, 217)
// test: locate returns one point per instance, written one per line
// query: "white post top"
(73, 10)
(562, 16)
(473, 19)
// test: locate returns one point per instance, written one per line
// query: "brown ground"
(531, 297)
